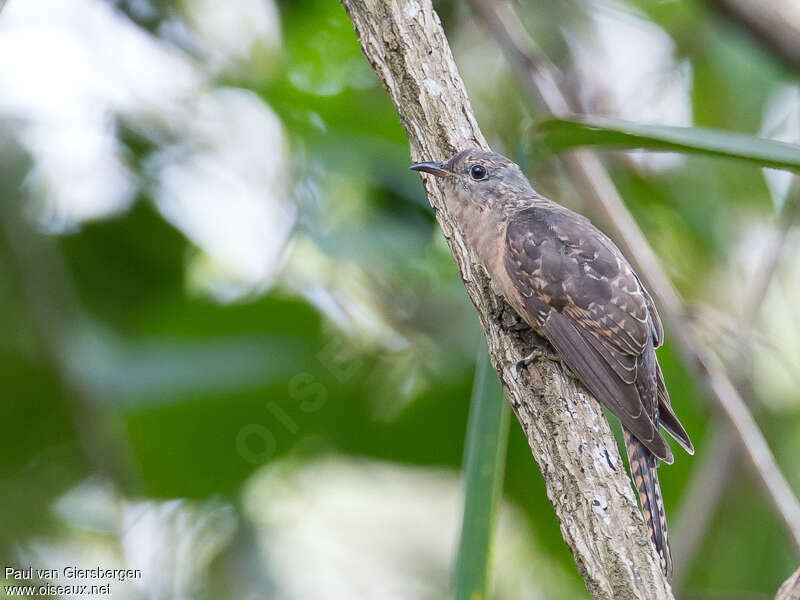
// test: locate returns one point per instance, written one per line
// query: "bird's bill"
(434, 168)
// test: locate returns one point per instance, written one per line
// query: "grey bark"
(790, 590)
(565, 427)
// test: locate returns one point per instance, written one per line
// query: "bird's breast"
(486, 234)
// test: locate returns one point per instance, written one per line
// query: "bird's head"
(481, 178)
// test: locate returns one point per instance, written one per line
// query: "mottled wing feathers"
(668, 419)
(656, 328)
(601, 320)
(621, 398)
(575, 268)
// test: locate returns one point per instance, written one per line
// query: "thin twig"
(710, 477)
(709, 480)
(763, 281)
(773, 24)
(596, 185)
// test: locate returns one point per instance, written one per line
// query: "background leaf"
(565, 133)
(484, 465)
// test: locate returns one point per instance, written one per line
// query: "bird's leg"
(533, 356)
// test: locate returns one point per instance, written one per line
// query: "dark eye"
(477, 172)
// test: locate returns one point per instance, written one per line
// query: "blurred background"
(236, 351)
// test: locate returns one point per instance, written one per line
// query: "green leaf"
(484, 465)
(561, 134)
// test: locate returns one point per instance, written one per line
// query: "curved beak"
(434, 168)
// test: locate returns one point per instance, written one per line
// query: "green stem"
(484, 465)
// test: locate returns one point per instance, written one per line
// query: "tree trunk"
(790, 590)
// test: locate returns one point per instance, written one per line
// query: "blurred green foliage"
(141, 370)
(562, 134)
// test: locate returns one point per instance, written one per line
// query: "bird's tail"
(644, 464)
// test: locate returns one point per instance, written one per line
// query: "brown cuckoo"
(572, 285)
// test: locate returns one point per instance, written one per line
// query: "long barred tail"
(643, 466)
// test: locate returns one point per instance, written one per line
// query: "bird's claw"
(537, 354)
(518, 326)
(525, 361)
(514, 323)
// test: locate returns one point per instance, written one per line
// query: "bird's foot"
(518, 326)
(536, 354)
(514, 323)
(540, 354)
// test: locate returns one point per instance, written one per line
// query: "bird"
(571, 284)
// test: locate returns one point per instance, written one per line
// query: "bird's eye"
(477, 172)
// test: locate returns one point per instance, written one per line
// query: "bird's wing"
(668, 419)
(599, 320)
(625, 400)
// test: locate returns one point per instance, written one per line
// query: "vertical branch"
(790, 590)
(568, 435)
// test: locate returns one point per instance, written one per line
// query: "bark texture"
(565, 427)
(790, 590)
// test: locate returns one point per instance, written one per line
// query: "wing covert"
(598, 316)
